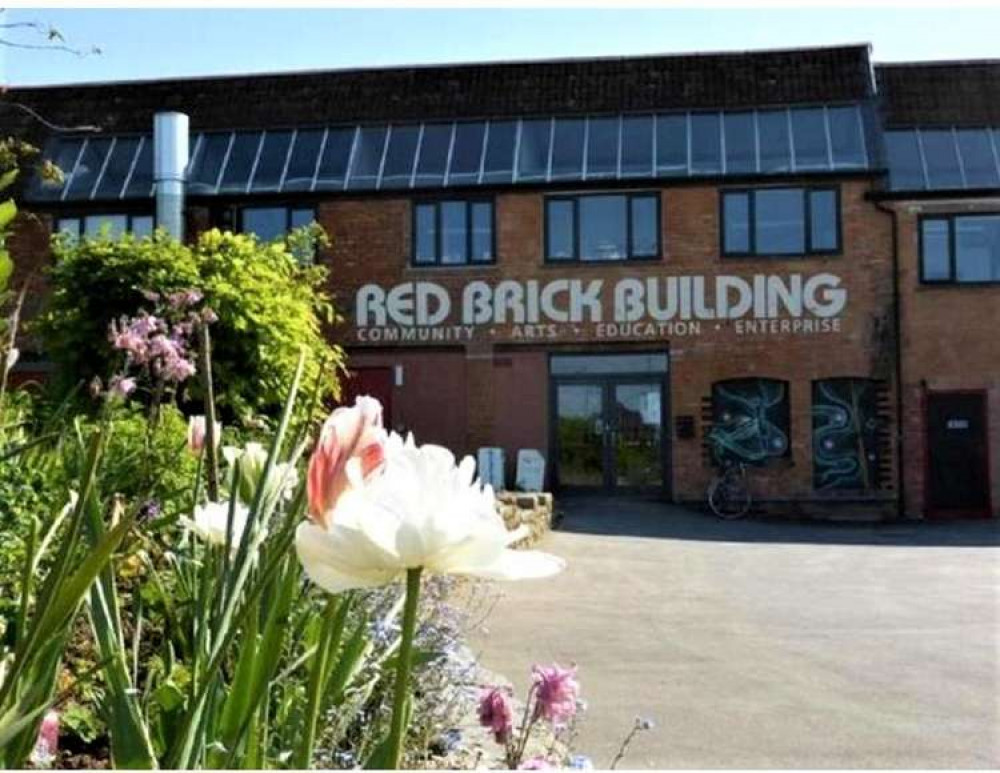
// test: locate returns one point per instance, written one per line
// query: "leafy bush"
(269, 307)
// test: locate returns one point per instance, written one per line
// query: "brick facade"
(505, 370)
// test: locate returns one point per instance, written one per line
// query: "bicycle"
(729, 492)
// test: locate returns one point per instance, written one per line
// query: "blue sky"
(141, 44)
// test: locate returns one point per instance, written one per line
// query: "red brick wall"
(949, 342)
(371, 244)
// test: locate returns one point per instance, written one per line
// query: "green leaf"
(8, 211)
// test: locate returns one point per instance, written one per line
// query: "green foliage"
(269, 307)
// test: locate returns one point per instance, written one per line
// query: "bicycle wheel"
(729, 497)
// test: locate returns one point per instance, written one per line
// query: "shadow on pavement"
(634, 517)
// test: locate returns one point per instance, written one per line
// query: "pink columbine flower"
(535, 763)
(350, 435)
(496, 713)
(47, 743)
(122, 386)
(556, 692)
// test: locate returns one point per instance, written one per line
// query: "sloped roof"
(939, 94)
(508, 89)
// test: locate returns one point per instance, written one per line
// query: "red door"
(374, 382)
(958, 478)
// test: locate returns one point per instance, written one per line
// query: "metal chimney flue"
(170, 160)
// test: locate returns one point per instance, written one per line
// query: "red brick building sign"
(630, 307)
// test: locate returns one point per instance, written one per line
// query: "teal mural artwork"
(845, 425)
(750, 421)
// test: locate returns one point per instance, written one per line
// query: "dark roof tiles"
(940, 93)
(609, 85)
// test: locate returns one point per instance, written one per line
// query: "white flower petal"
(518, 565)
(342, 558)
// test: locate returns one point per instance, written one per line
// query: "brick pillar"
(479, 384)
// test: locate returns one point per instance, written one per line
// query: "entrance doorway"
(609, 427)
(958, 480)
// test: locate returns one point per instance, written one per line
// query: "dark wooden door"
(958, 480)
(374, 382)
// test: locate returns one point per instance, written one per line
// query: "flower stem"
(397, 730)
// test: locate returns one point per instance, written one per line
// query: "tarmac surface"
(766, 644)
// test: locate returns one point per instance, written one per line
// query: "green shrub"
(269, 306)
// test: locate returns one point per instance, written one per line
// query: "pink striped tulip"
(351, 443)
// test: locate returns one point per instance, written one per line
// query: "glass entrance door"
(609, 433)
(636, 429)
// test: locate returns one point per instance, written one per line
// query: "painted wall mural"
(845, 424)
(750, 421)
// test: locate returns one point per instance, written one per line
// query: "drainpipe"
(897, 332)
(170, 160)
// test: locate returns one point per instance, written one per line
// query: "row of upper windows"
(780, 222)
(607, 227)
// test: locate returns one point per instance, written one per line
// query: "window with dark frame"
(113, 223)
(780, 222)
(453, 232)
(602, 227)
(275, 222)
(960, 249)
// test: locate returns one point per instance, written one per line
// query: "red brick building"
(639, 267)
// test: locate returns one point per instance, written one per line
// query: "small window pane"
(142, 225)
(268, 223)
(977, 158)
(741, 143)
(467, 155)
(426, 236)
(846, 136)
(602, 147)
(367, 158)
(567, 149)
(706, 144)
(603, 227)
(751, 421)
(271, 164)
(736, 223)
(823, 220)
(336, 157)
(935, 250)
(206, 164)
(560, 229)
(140, 184)
(637, 146)
(671, 144)
(780, 225)
(117, 169)
(809, 137)
(88, 168)
(941, 156)
(303, 160)
(302, 217)
(400, 156)
(533, 155)
(241, 158)
(110, 226)
(433, 158)
(977, 249)
(645, 228)
(454, 241)
(773, 141)
(482, 231)
(905, 169)
(69, 227)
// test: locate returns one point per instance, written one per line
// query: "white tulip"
(210, 520)
(419, 511)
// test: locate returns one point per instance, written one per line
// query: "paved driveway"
(760, 644)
